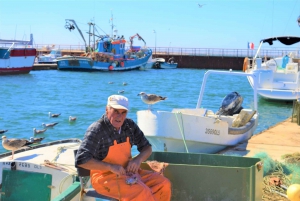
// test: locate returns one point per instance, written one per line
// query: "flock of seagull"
(14, 144)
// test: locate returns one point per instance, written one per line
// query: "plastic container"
(196, 176)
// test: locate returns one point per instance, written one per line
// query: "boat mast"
(112, 25)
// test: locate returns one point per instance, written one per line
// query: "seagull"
(50, 125)
(14, 144)
(53, 115)
(124, 83)
(36, 140)
(38, 131)
(110, 82)
(200, 6)
(72, 118)
(3, 131)
(121, 91)
(151, 99)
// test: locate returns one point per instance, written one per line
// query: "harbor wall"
(206, 62)
(184, 61)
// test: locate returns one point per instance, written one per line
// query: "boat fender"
(122, 63)
(245, 65)
(110, 67)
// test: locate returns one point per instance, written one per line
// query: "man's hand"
(117, 169)
(133, 165)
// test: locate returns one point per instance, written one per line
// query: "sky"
(229, 24)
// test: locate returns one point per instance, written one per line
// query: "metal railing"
(178, 51)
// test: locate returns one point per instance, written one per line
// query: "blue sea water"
(27, 99)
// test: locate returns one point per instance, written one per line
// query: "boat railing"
(182, 51)
(8, 50)
(231, 73)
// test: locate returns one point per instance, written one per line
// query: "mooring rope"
(181, 130)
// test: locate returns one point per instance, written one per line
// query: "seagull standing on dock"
(151, 99)
(14, 144)
(53, 115)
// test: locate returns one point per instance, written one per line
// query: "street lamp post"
(155, 40)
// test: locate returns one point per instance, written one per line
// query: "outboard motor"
(231, 104)
(156, 65)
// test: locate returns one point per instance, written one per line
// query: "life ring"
(245, 65)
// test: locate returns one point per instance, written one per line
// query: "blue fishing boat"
(110, 54)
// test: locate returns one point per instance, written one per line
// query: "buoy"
(293, 192)
(110, 67)
(245, 64)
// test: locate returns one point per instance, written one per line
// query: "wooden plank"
(281, 139)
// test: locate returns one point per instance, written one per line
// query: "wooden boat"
(15, 59)
(46, 172)
(198, 130)
(278, 78)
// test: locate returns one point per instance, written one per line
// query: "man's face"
(116, 116)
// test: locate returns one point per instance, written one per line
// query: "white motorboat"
(153, 61)
(200, 130)
(277, 78)
(160, 63)
(51, 57)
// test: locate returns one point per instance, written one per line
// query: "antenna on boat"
(112, 24)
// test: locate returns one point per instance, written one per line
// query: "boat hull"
(270, 88)
(166, 65)
(88, 64)
(16, 61)
(14, 71)
(191, 130)
(32, 161)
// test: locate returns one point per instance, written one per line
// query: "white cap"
(118, 102)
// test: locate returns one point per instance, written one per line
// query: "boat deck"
(281, 139)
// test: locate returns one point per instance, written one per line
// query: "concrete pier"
(283, 138)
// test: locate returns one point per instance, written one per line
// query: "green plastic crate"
(211, 177)
(21, 185)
